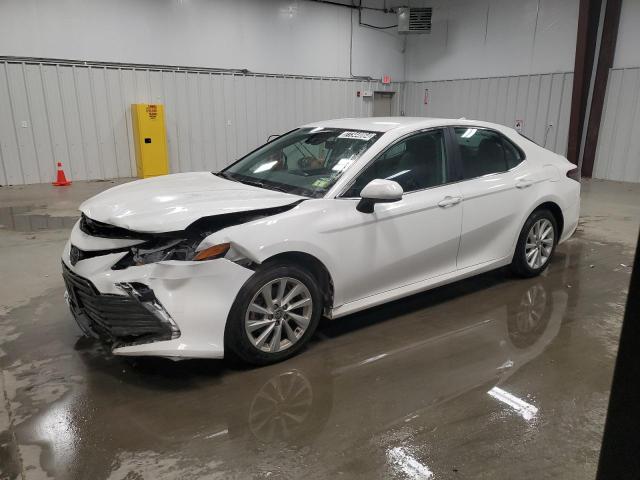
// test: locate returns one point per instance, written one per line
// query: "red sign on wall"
(386, 79)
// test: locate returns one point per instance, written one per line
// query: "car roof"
(386, 124)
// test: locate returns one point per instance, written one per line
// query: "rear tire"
(274, 315)
(536, 244)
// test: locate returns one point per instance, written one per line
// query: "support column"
(596, 38)
(588, 19)
(605, 62)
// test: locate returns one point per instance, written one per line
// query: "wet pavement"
(24, 219)
(491, 377)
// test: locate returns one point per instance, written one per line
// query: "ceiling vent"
(414, 20)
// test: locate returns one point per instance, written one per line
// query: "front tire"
(536, 244)
(274, 315)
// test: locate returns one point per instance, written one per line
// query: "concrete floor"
(492, 377)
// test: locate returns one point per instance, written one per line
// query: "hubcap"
(539, 243)
(278, 314)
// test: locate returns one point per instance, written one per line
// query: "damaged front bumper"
(134, 319)
(169, 309)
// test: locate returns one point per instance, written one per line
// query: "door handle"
(449, 201)
(524, 183)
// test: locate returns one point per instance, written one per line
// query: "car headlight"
(216, 251)
(174, 249)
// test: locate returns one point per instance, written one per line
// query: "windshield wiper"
(225, 175)
(258, 183)
(253, 183)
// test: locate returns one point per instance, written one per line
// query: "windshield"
(305, 162)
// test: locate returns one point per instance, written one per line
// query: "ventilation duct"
(414, 20)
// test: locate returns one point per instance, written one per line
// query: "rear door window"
(513, 154)
(483, 152)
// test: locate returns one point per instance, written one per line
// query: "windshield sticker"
(321, 183)
(357, 135)
(342, 164)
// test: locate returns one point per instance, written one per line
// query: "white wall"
(494, 38)
(82, 116)
(618, 151)
(266, 36)
(627, 47)
(541, 102)
(499, 61)
(60, 111)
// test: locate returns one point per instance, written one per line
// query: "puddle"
(21, 219)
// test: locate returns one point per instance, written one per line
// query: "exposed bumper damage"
(194, 299)
(135, 318)
(169, 308)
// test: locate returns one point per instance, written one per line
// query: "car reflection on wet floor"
(369, 386)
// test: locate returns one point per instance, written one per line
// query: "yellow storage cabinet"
(150, 138)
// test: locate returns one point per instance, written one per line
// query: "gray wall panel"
(107, 156)
(182, 115)
(75, 164)
(81, 115)
(240, 106)
(539, 100)
(24, 133)
(54, 116)
(127, 86)
(206, 122)
(219, 119)
(40, 125)
(170, 100)
(84, 99)
(194, 121)
(119, 117)
(618, 152)
(253, 138)
(11, 163)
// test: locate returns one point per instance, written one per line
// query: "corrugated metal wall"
(618, 151)
(80, 115)
(538, 100)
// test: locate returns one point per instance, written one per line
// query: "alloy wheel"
(278, 314)
(539, 244)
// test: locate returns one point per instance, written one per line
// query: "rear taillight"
(574, 174)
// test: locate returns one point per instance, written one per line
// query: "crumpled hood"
(172, 202)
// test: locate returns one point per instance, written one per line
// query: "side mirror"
(378, 191)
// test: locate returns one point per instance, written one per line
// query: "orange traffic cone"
(61, 179)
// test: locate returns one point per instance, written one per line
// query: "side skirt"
(417, 287)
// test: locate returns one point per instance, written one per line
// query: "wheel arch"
(314, 265)
(556, 211)
(549, 203)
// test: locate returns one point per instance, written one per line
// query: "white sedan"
(328, 219)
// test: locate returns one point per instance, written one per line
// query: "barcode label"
(357, 135)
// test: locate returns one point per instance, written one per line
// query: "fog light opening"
(145, 296)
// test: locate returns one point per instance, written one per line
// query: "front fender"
(298, 230)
